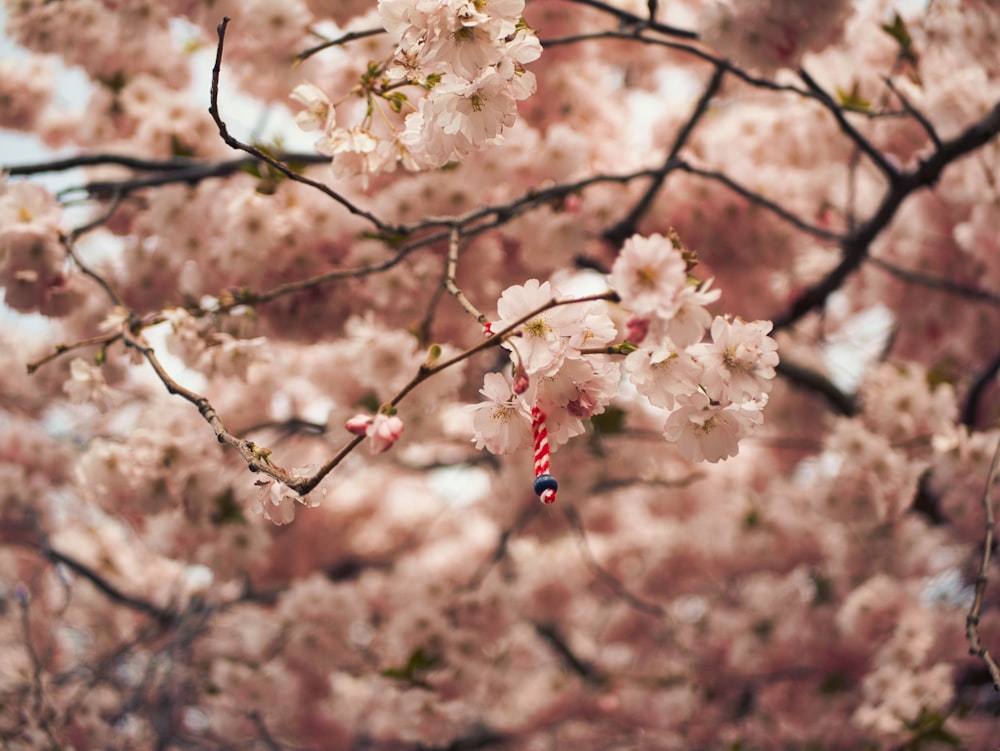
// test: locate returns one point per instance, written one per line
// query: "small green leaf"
(625, 348)
(180, 149)
(853, 98)
(610, 422)
(898, 31)
(929, 729)
(226, 510)
(369, 401)
(390, 238)
(433, 355)
(396, 100)
(418, 663)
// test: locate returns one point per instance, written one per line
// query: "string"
(545, 484)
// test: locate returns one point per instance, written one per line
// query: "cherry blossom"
(502, 423)
(87, 383)
(739, 363)
(649, 274)
(706, 431)
(724, 273)
(541, 343)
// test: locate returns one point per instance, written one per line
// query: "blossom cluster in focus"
(709, 377)
(450, 87)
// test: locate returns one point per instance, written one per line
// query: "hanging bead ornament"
(545, 484)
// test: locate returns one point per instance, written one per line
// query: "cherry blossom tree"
(601, 375)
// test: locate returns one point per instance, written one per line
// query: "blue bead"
(545, 482)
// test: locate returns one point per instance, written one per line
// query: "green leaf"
(610, 422)
(226, 510)
(396, 100)
(624, 348)
(369, 401)
(898, 31)
(929, 731)
(853, 98)
(392, 239)
(418, 663)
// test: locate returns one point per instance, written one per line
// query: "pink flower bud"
(636, 329)
(521, 382)
(384, 431)
(358, 424)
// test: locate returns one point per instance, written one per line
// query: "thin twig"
(972, 620)
(106, 587)
(350, 36)
(625, 228)
(631, 19)
(449, 279)
(759, 200)
(551, 636)
(69, 244)
(634, 601)
(916, 114)
(526, 514)
(279, 166)
(891, 173)
(61, 349)
(966, 292)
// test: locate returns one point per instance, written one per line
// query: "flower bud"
(358, 424)
(384, 431)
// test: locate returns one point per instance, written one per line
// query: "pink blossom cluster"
(770, 34)
(710, 394)
(32, 261)
(551, 370)
(467, 58)
(179, 313)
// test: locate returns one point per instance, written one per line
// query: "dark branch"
(845, 404)
(855, 246)
(630, 19)
(106, 587)
(985, 378)
(235, 143)
(575, 664)
(849, 130)
(759, 200)
(627, 227)
(343, 39)
(967, 293)
(94, 160)
(972, 620)
(916, 114)
(191, 174)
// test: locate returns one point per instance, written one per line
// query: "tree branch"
(279, 166)
(106, 587)
(972, 620)
(856, 245)
(799, 375)
(618, 233)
